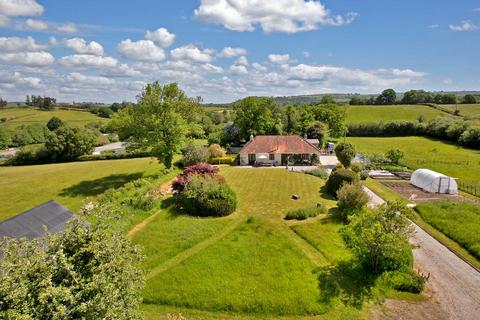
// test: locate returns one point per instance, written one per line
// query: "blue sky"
(226, 49)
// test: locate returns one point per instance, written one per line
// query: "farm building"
(433, 182)
(32, 223)
(278, 150)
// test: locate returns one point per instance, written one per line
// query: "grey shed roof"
(30, 224)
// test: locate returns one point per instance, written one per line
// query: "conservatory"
(433, 182)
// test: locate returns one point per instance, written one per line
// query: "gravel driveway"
(453, 286)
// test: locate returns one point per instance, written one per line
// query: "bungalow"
(278, 150)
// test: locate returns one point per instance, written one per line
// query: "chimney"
(305, 136)
(251, 137)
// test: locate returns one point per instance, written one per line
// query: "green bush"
(345, 153)
(302, 214)
(216, 151)
(113, 156)
(356, 167)
(364, 174)
(30, 134)
(338, 177)
(319, 172)
(32, 154)
(207, 196)
(222, 160)
(193, 155)
(403, 280)
(5, 139)
(351, 198)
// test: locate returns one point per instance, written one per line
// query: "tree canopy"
(158, 122)
(85, 272)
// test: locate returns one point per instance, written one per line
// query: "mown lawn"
(363, 114)
(25, 187)
(253, 264)
(458, 220)
(420, 152)
(26, 116)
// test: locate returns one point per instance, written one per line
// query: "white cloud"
(35, 59)
(16, 8)
(212, 68)
(447, 81)
(306, 54)
(87, 61)
(191, 53)
(257, 66)
(15, 44)
(142, 50)
(242, 61)
(161, 37)
(79, 45)
(238, 69)
(67, 28)
(88, 80)
(463, 26)
(433, 26)
(52, 41)
(273, 16)
(229, 52)
(36, 25)
(279, 58)
(16, 80)
(121, 70)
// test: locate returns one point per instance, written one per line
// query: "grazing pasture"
(364, 114)
(26, 116)
(69, 183)
(458, 220)
(421, 152)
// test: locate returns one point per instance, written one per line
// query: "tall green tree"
(3, 103)
(387, 97)
(334, 116)
(292, 120)
(158, 122)
(85, 272)
(469, 99)
(327, 99)
(318, 130)
(257, 116)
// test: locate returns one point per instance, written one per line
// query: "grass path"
(184, 255)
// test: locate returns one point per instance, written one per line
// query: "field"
(466, 110)
(69, 183)
(252, 264)
(363, 114)
(458, 220)
(420, 152)
(26, 116)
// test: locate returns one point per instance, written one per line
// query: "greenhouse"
(433, 182)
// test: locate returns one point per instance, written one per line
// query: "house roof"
(31, 224)
(279, 144)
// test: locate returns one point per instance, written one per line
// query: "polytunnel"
(433, 182)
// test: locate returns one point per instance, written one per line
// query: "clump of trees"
(87, 271)
(3, 103)
(43, 103)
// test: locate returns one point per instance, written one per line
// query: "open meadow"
(27, 116)
(25, 187)
(365, 114)
(420, 152)
(466, 110)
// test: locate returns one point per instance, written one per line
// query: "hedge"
(222, 160)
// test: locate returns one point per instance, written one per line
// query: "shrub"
(5, 139)
(356, 167)
(30, 134)
(345, 153)
(319, 172)
(351, 198)
(207, 196)
(216, 151)
(31, 155)
(338, 177)
(193, 155)
(221, 160)
(364, 174)
(54, 123)
(203, 169)
(394, 155)
(404, 280)
(302, 214)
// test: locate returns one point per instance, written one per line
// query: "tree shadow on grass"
(325, 194)
(99, 186)
(346, 281)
